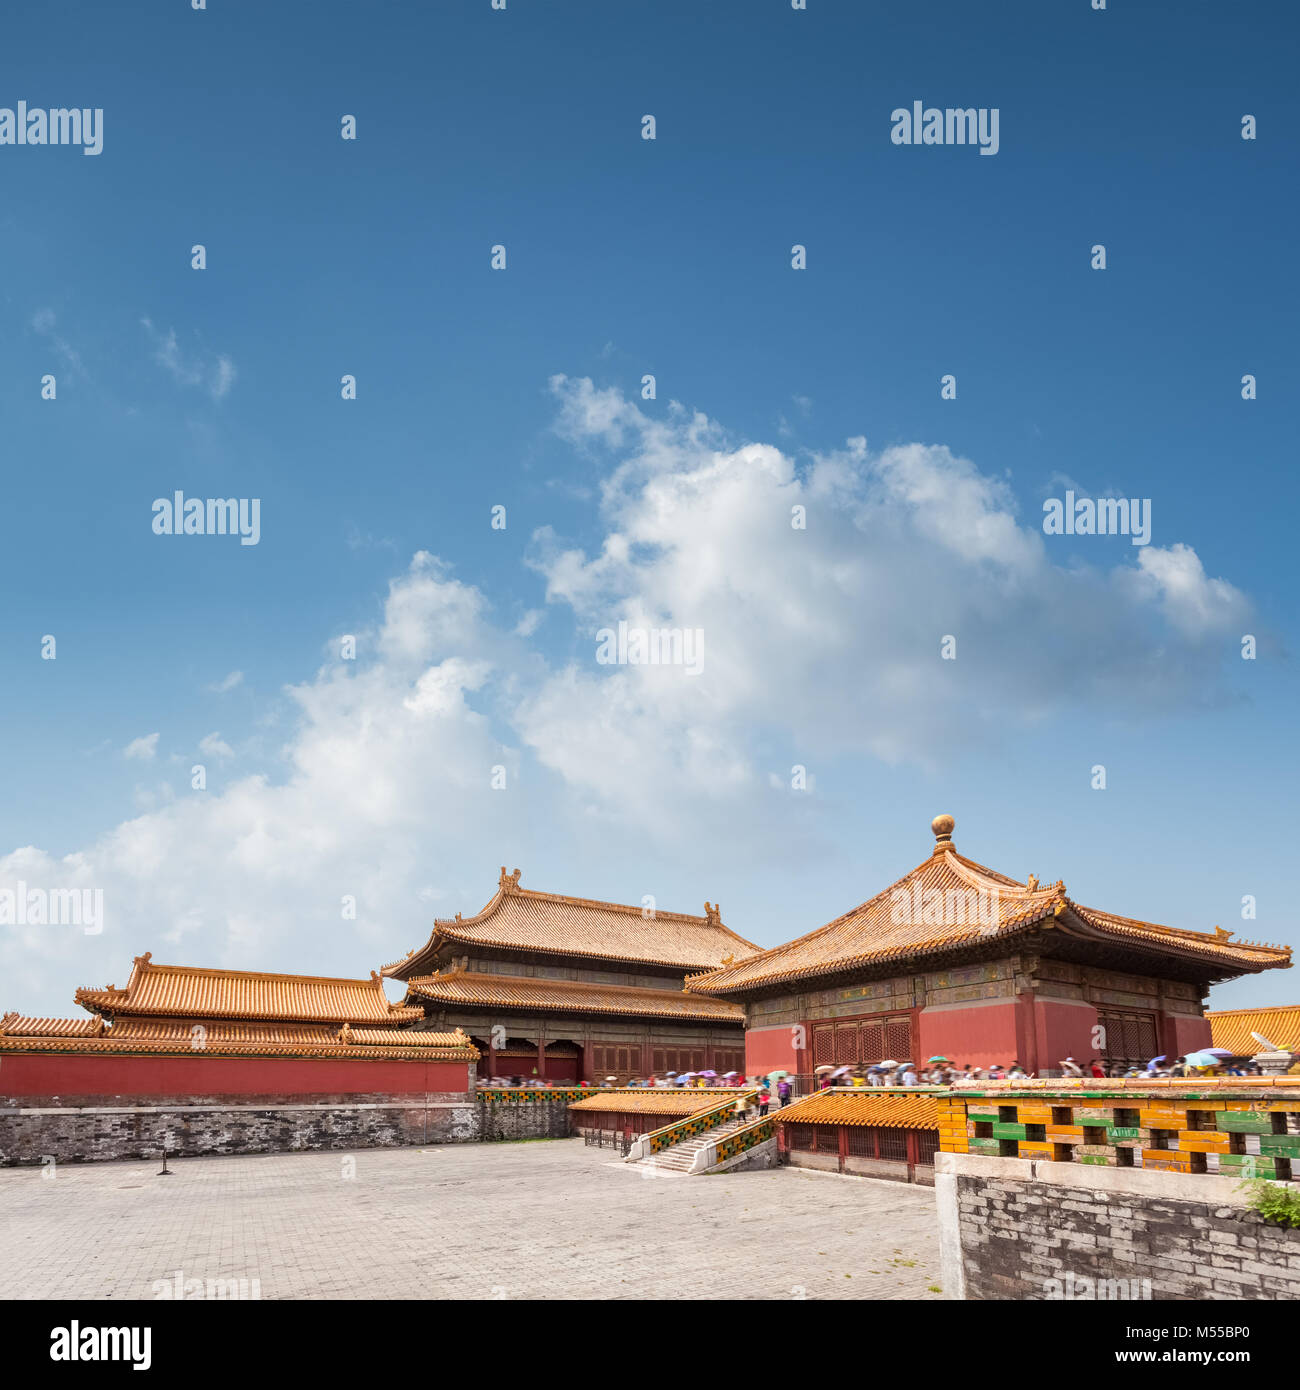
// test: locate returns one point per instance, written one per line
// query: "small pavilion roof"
(866, 1105)
(657, 1100)
(195, 993)
(568, 996)
(949, 901)
(524, 920)
(1232, 1028)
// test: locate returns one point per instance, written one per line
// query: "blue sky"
(627, 257)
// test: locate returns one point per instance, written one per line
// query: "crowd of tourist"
(779, 1086)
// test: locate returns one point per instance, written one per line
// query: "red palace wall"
(1182, 1035)
(69, 1075)
(977, 1036)
(1060, 1030)
(773, 1049)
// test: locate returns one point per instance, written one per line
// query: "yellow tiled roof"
(521, 919)
(1232, 1028)
(570, 996)
(159, 990)
(873, 1105)
(404, 1037)
(950, 901)
(655, 1102)
(18, 1024)
(218, 1036)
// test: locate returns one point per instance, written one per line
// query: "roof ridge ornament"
(1220, 934)
(713, 913)
(1031, 884)
(506, 882)
(943, 828)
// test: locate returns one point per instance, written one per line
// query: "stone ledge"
(1210, 1188)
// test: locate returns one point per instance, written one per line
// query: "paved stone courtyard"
(542, 1219)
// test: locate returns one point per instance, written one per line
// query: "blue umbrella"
(1155, 1061)
(1202, 1059)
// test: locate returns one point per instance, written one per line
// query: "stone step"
(681, 1156)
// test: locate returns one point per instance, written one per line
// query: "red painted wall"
(1061, 1031)
(1185, 1034)
(772, 1049)
(978, 1036)
(63, 1074)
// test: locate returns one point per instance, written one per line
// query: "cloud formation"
(215, 373)
(821, 639)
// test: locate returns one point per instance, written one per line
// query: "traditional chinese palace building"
(958, 960)
(180, 1031)
(568, 989)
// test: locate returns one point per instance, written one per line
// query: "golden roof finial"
(1220, 934)
(713, 913)
(508, 881)
(943, 828)
(1031, 884)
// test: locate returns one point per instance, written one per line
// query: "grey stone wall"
(36, 1129)
(535, 1119)
(1024, 1229)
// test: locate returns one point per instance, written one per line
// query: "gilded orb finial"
(942, 827)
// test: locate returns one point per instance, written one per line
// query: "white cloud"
(1195, 605)
(227, 683)
(830, 636)
(44, 321)
(214, 373)
(215, 746)
(383, 789)
(143, 748)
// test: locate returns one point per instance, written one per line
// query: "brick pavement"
(547, 1219)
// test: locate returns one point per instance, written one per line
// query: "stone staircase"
(681, 1157)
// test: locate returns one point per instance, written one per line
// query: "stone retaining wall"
(118, 1128)
(1024, 1229)
(91, 1129)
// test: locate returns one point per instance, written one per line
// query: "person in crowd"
(1095, 1067)
(996, 1073)
(764, 1100)
(908, 1077)
(1069, 1067)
